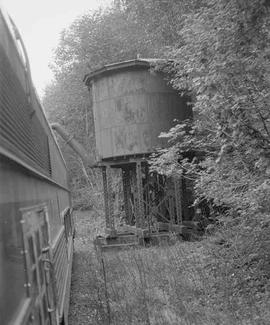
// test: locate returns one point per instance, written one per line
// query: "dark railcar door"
(39, 265)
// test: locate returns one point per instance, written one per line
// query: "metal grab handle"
(45, 249)
(45, 260)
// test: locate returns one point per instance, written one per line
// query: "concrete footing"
(129, 237)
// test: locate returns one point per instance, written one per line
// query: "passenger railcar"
(36, 225)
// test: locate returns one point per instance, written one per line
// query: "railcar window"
(44, 235)
(34, 281)
(41, 270)
(12, 270)
(37, 238)
(31, 250)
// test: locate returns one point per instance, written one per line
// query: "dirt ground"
(86, 306)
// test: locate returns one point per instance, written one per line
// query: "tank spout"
(74, 144)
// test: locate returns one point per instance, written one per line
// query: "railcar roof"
(118, 66)
(12, 30)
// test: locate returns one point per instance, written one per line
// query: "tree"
(223, 64)
(93, 40)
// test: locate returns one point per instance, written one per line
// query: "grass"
(170, 285)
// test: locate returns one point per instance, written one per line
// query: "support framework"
(149, 199)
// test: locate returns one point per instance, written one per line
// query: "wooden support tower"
(152, 204)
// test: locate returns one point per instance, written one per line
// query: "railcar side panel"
(36, 226)
(22, 190)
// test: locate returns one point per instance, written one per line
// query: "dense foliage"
(223, 63)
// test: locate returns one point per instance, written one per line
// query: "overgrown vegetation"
(166, 285)
(218, 55)
(223, 63)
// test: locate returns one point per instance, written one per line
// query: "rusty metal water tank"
(132, 106)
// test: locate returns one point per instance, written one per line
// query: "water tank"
(132, 106)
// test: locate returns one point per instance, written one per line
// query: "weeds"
(182, 284)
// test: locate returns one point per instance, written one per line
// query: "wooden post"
(140, 206)
(127, 195)
(178, 199)
(108, 200)
(171, 207)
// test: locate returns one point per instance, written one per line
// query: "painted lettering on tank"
(133, 110)
(124, 108)
(120, 139)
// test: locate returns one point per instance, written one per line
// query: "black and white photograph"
(135, 162)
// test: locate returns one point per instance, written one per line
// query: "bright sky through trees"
(40, 23)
